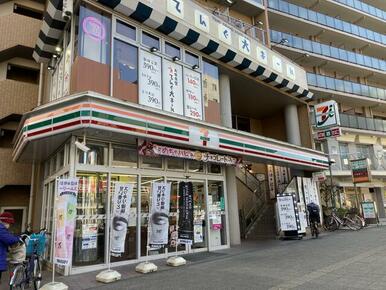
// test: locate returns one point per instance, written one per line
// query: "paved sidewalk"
(339, 260)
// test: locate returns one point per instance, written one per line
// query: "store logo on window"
(94, 28)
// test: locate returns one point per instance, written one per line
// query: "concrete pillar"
(230, 172)
(292, 124)
(379, 200)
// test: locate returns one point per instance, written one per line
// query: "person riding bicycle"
(313, 212)
(6, 239)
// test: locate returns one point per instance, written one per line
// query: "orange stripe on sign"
(52, 114)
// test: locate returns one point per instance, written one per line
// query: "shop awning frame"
(92, 111)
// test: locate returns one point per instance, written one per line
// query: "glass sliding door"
(89, 237)
(217, 214)
(200, 239)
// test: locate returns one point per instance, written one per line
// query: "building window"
(124, 157)
(6, 137)
(94, 35)
(241, 123)
(211, 80)
(22, 74)
(191, 59)
(126, 61)
(126, 30)
(150, 40)
(175, 164)
(26, 11)
(172, 50)
(96, 156)
(152, 162)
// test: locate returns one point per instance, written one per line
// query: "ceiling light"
(58, 49)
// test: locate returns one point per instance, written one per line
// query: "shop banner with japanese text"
(185, 221)
(65, 213)
(173, 100)
(120, 217)
(159, 214)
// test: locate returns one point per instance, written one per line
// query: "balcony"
(329, 51)
(18, 30)
(12, 173)
(326, 27)
(362, 123)
(249, 7)
(17, 97)
(363, 94)
(363, 7)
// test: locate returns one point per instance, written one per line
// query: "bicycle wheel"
(18, 278)
(350, 224)
(37, 274)
(331, 224)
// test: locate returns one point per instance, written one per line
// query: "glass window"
(191, 58)
(125, 62)
(172, 50)
(311, 79)
(365, 90)
(359, 59)
(91, 219)
(60, 162)
(97, 155)
(330, 21)
(150, 40)
(94, 35)
(316, 47)
(334, 52)
(126, 30)
(356, 88)
(302, 12)
(123, 228)
(339, 85)
(195, 166)
(216, 207)
(351, 57)
(151, 162)
(312, 16)
(330, 83)
(338, 24)
(211, 79)
(325, 50)
(321, 81)
(124, 156)
(293, 9)
(199, 211)
(343, 54)
(214, 168)
(347, 27)
(354, 29)
(175, 163)
(381, 93)
(307, 45)
(347, 87)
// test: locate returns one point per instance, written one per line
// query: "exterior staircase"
(256, 211)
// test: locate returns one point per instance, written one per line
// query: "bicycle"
(29, 271)
(333, 222)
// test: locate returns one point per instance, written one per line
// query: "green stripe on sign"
(40, 124)
(231, 142)
(167, 129)
(66, 117)
(259, 148)
(118, 119)
(85, 113)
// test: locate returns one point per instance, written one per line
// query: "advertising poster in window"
(285, 205)
(185, 221)
(192, 94)
(65, 220)
(89, 236)
(120, 217)
(159, 214)
(172, 88)
(150, 93)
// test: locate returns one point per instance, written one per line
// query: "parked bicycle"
(333, 222)
(27, 272)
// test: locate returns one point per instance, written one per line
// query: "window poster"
(150, 80)
(172, 87)
(192, 94)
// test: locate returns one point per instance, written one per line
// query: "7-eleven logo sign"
(326, 115)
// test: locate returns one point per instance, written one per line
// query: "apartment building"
(176, 91)
(20, 23)
(342, 44)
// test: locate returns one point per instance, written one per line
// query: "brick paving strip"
(326, 270)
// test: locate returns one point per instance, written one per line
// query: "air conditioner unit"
(68, 6)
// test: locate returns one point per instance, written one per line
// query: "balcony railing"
(345, 86)
(364, 7)
(325, 20)
(327, 50)
(246, 28)
(363, 123)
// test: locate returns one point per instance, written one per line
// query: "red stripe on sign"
(118, 126)
(167, 136)
(77, 122)
(273, 156)
(39, 132)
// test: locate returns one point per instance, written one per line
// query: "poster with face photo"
(120, 217)
(159, 214)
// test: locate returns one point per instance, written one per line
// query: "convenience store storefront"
(116, 133)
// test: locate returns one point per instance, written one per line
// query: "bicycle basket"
(36, 242)
(17, 253)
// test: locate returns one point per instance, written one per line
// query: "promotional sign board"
(369, 210)
(360, 170)
(333, 132)
(120, 217)
(287, 216)
(326, 115)
(150, 80)
(319, 176)
(173, 100)
(185, 221)
(65, 213)
(159, 214)
(89, 236)
(193, 94)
